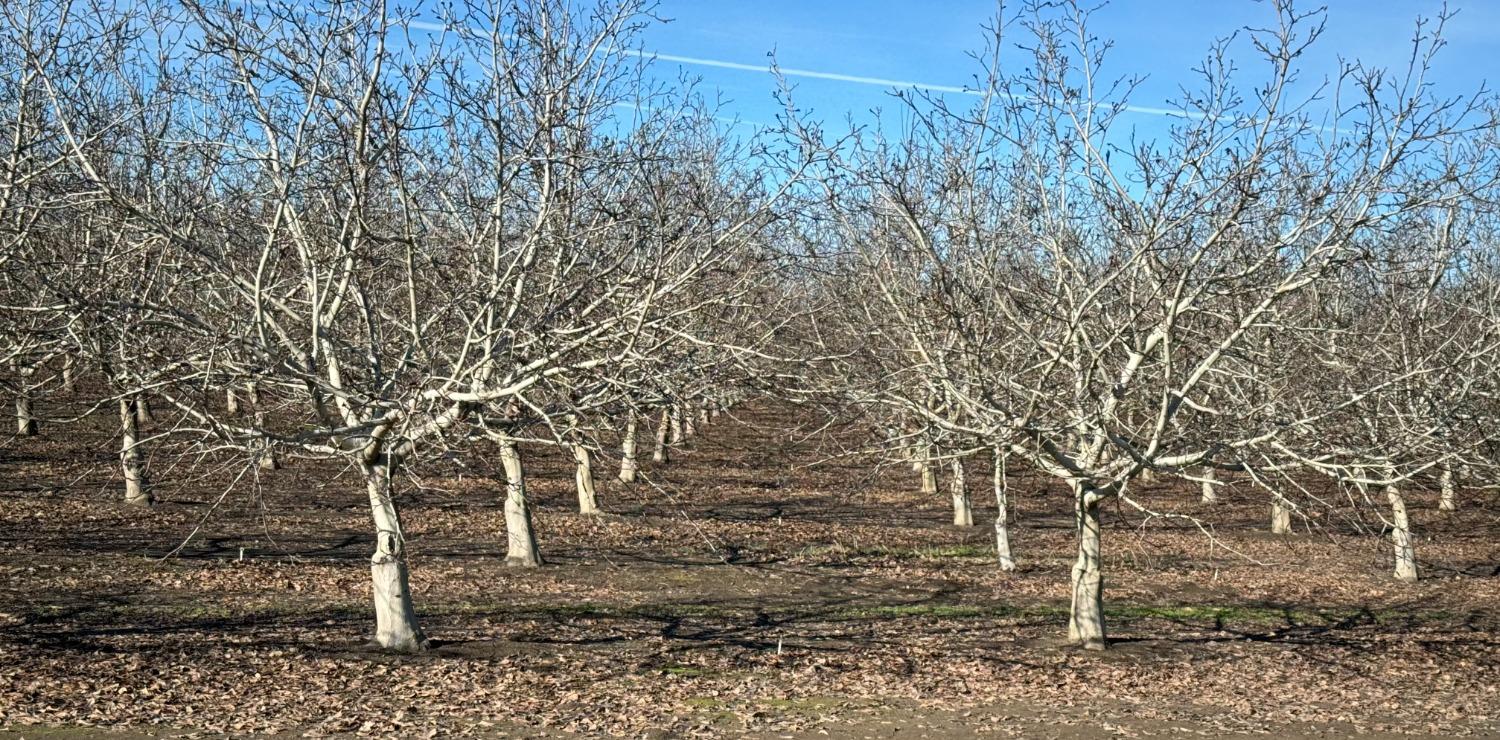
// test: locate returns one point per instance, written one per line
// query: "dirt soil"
(741, 590)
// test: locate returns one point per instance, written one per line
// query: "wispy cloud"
(812, 74)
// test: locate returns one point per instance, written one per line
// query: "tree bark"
(1210, 494)
(521, 547)
(675, 414)
(689, 426)
(396, 626)
(1281, 516)
(1448, 498)
(963, 509)
(1002, 532)
(929, 479)
(137, 490)
(660, 454)
(1086, 619)
(69, 374)
(26, 425)
(583, 479)
(231, 402)
(143, 409)
(268, 453)
(628, 465)
(1406, 556)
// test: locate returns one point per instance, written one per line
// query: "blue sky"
(926, 40)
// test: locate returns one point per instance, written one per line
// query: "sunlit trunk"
(1448, 497)
(396, 625)
(963, 510)
(1406, 556)
(1086, 618)
(1281, 516)
(137, 490)
(520, 540)
(143, 413)
(1210, 489)
(26, 425)
(689, 423)
(583, 480)
(231, 402)
(929, 479)
(628, 465)
(660, 454)
(69, 374)
(1002, 532)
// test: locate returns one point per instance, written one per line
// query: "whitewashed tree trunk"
(689, 425)
(137, 491)
(521, 547)
(1210, 490)
(660, 454)
(1406, 556)
(583, 480)
(26, 425)
(929, 479)
(1086, 618)
(628, 465)
(231, 402)
(396, 626)
(963, 509)
(1448, 496)
(143, 409)
(1002, 531)
(1281, 516)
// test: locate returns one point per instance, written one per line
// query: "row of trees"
(330, 232)
(1291, 286)
(337, 232)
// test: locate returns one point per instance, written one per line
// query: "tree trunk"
(1002, 533)
(675, 414)
(25, 422)
(520, 540)
(929, 479)
(1406, 556)
(703, 416)
(1448, 499)
(583, 479)
(1210, 487)
(231, 402)
(689, 425)
(963, 510)
(268, 453)
(69, 375)
(1281, 516)
(137, 491)
(1086, 619)
(396, 625)
(628, 465)
(143, 409)
(660, 454)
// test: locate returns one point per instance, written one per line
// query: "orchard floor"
(742, 591)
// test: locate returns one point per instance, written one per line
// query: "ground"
(748, 588)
